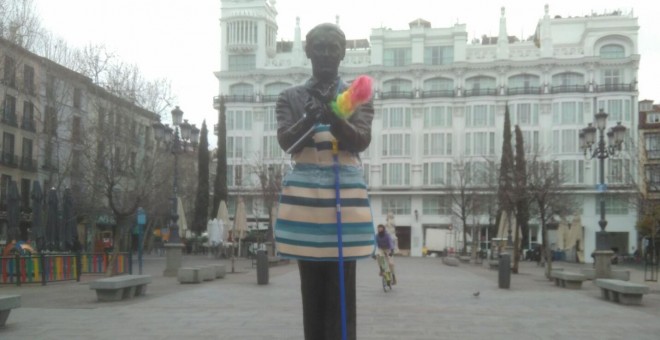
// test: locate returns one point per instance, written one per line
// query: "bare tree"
(548, 198)
(463, 195)
(270, 175)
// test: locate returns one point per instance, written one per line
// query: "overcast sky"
(179, 39)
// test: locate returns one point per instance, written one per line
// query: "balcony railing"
(28, 164)
(239, 98)
(615, 88)
(653, 154)
(480, 92)
(9, 159)
(9, 118)
(397, 95)
(28, 125)
(569, 89)
(269, 98)
(438, 94)
(523, 90)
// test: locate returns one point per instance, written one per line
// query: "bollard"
(262, 267)
(504, 280)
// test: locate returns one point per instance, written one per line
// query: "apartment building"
(440, 100)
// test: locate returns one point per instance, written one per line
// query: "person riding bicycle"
(385, 248)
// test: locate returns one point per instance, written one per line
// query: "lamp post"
(177, 144)
(602, 151)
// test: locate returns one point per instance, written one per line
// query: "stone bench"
(568, 280)
(120, 287)
(189, 275)
(207, 273)
(220, 270)
(450, 261)
(619, 274)
(493, 264)
(7, 303)
(623, 292)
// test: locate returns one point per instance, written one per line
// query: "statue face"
(326, 52)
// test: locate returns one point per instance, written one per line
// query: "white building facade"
(440, 100)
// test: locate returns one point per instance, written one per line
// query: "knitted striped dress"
(306, 226)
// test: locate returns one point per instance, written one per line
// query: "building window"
(479, 143)
(611, 77)
(614, 204)
(652, 118)
(9, 110)
(570, 171)
(480, 86)
(524, 114)
(437, 144)
(438, 55)
(652, 144)
(242, 62)
(567, 113)
(530, 141)
(618, 170)
(524, 84)
(9, 77)
(653, 177)
(239, 120)
(437, 173)
(28, 116)
(480, 116)
(565, 141)
(568, 82)
(612, 51)
(28, 79)
(397, 205)
(396, 117)
(271, 147)
(438, 117)
(397, 56)
(270, 121)
(27, 151)
(396, 174)
(239, 147)
(366, 169)
(617, 109)
(272, 91)
(436, 206)
(8, 157)
(77, 98)
(396, 144)
(397, 88)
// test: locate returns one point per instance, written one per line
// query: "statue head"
(325, 47)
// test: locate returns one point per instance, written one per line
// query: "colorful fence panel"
(43, 268)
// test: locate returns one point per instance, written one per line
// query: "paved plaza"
(431, 301)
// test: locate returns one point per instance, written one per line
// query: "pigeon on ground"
(476, 294)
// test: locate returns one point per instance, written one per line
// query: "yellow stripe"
(323, 215)
(323, 252)
(324, 193)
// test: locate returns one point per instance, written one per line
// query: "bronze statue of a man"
(306, 227)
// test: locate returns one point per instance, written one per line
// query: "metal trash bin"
(504, 275)
(262, 267)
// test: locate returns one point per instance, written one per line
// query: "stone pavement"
(431, 301)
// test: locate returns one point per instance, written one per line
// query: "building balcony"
(269, 98)
(569, 89)
(9, 118)
(9, 159)
(396, 95)
(29, 125)
(480, 92)
(652, 154)
(615, 88)
(438, 94)
(28, 164)
(512, 91)
(242, 47)
(239, 98)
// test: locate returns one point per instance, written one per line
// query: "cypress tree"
(220, 190)
(505, 188)
(522, 201)
(202, 198)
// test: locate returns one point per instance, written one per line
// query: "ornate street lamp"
(602, 151)
(176, 144)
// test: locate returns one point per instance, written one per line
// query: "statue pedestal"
(173, 255)
(603, 265)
